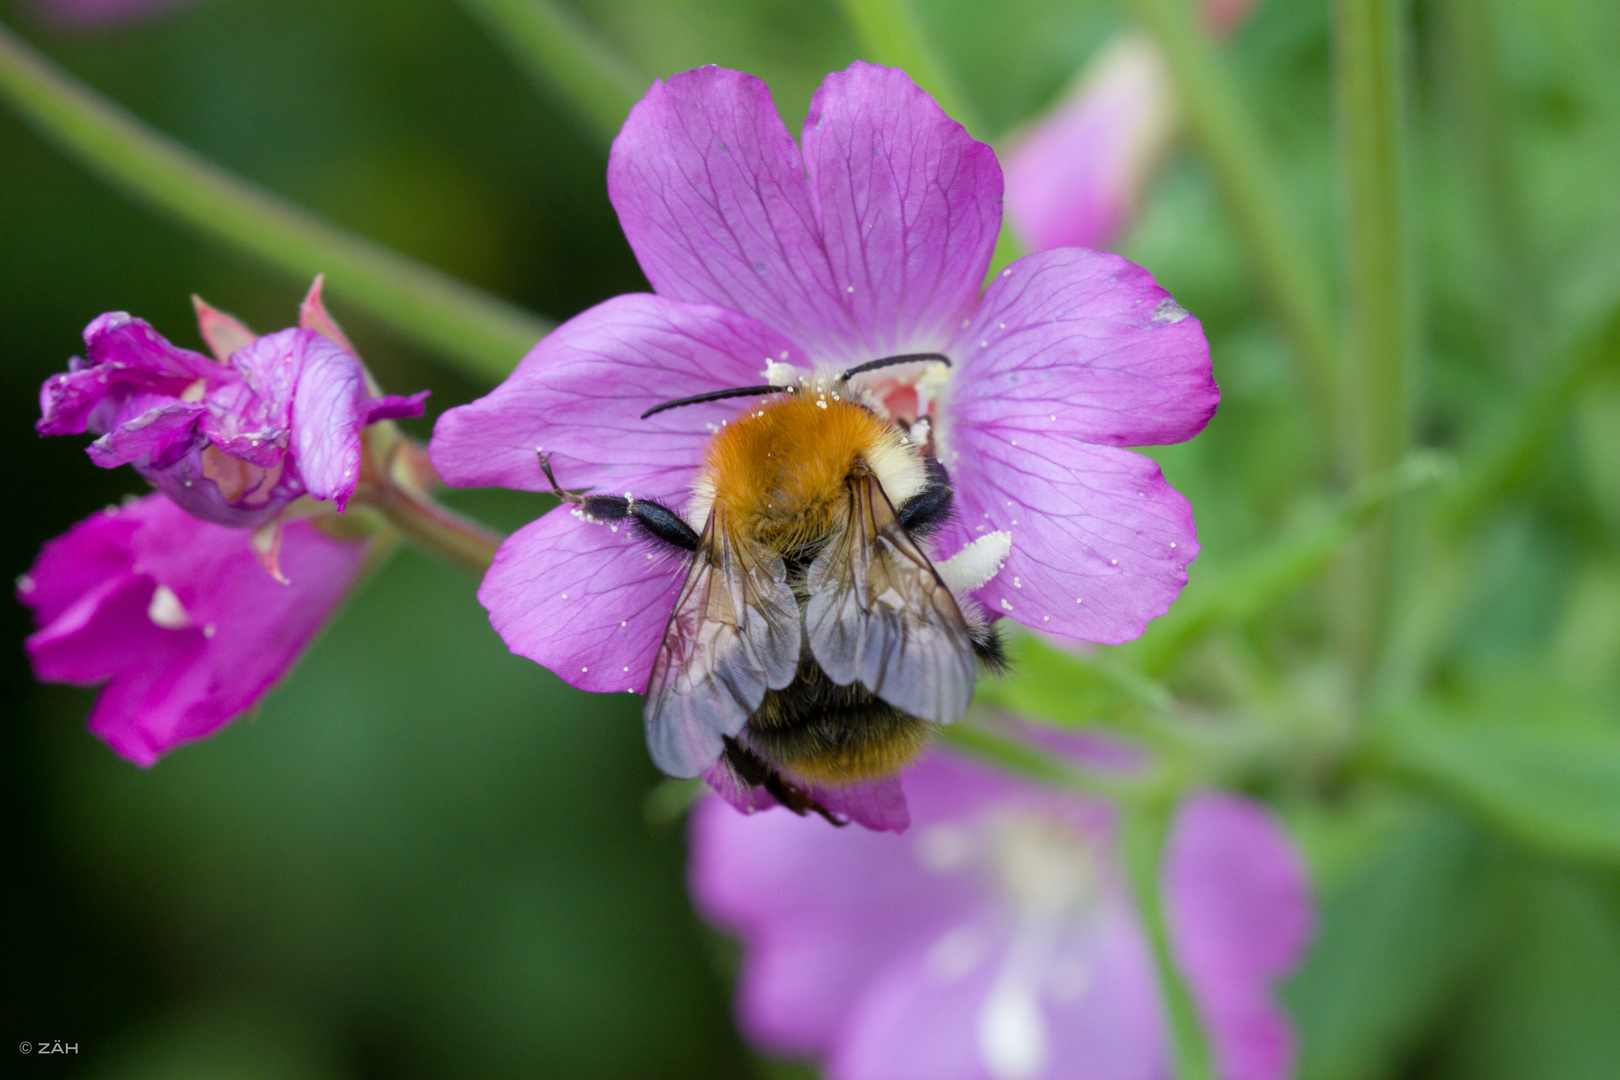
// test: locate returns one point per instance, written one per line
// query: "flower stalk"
(482, 335)
(566, 59)
(1147, 827)
(1374, 413)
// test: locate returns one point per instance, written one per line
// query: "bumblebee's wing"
(733, 633)
(879, 614)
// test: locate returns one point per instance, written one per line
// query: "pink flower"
(997, 941)
(1074, 179)
(781, 263)
(177, 617)
(1075, 176)
(233, 442)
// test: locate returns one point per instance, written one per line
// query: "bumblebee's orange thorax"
(780, 471)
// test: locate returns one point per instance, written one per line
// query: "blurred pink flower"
(1073, 180)
(103, 12)
(1075, 176)
(997, 941)
(177, 617)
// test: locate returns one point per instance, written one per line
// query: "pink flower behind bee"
(177, 618)
(997, 940)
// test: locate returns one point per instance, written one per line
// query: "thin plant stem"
(482, 334)
(1373, 397)
(1246, 181)
(1147, 826)
(889, 33)
(566, 59)
(437, 529)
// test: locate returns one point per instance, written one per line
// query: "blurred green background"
(427, 858)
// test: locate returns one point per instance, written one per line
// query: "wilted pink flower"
(233, 442)
(177, 617)
(772, 261)
(102, 12)
(997, 940)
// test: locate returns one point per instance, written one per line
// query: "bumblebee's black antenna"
(717, 395)
(890, 361)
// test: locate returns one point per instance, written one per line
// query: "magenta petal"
(326, 419)
(710, 190)
(908, 207)
(877, 804)
(580, 393)
(1238, 901)
(149, 438)
(126, 358)
(589, 601)
(393, 407)
(1100, 540)
(1082, 345)
(177, 667)
(822, 910)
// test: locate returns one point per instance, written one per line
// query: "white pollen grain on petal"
(1006, 606)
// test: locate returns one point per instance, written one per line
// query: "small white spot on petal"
(627, 669)
(984, 344)
(565, 596)
(624, 623)
(1078, 600)
(25, 584)
(166, 611)
(1007, 271)
(1172, 543)
(1017, 584)
(208, 630)
(850, 289)
(1006, 606)
(1015, 442)
(1046, 618)
(1113, 562)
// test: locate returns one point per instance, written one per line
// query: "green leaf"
(1547, 1005)
(1552, 781)
(1390, 950)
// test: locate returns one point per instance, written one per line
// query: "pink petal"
(224, 333)
(150, 437)
(822, 910)
(1080, 345)
(1238, 900)
(326, 418)
(877, 804)
(580, 393)
(1074, 179)
(228, 633)
(877, 250)
(393, 407)
(908, 205)
(1100, 541)
(582, 599)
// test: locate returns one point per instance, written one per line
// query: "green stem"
(1247, 182)
(1147, 825)
(1028, 760)
(890, 33)
(1276, 571)
(1373, 395)
(566, 59)
(484, 335)
(437, 529)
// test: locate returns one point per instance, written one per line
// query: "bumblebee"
(812, 643)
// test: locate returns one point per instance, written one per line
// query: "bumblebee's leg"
(930, 508)
(652, 519)
(755, 772)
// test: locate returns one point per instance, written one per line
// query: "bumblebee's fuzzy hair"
(782, 470)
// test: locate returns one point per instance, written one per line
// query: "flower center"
(1044, 871)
